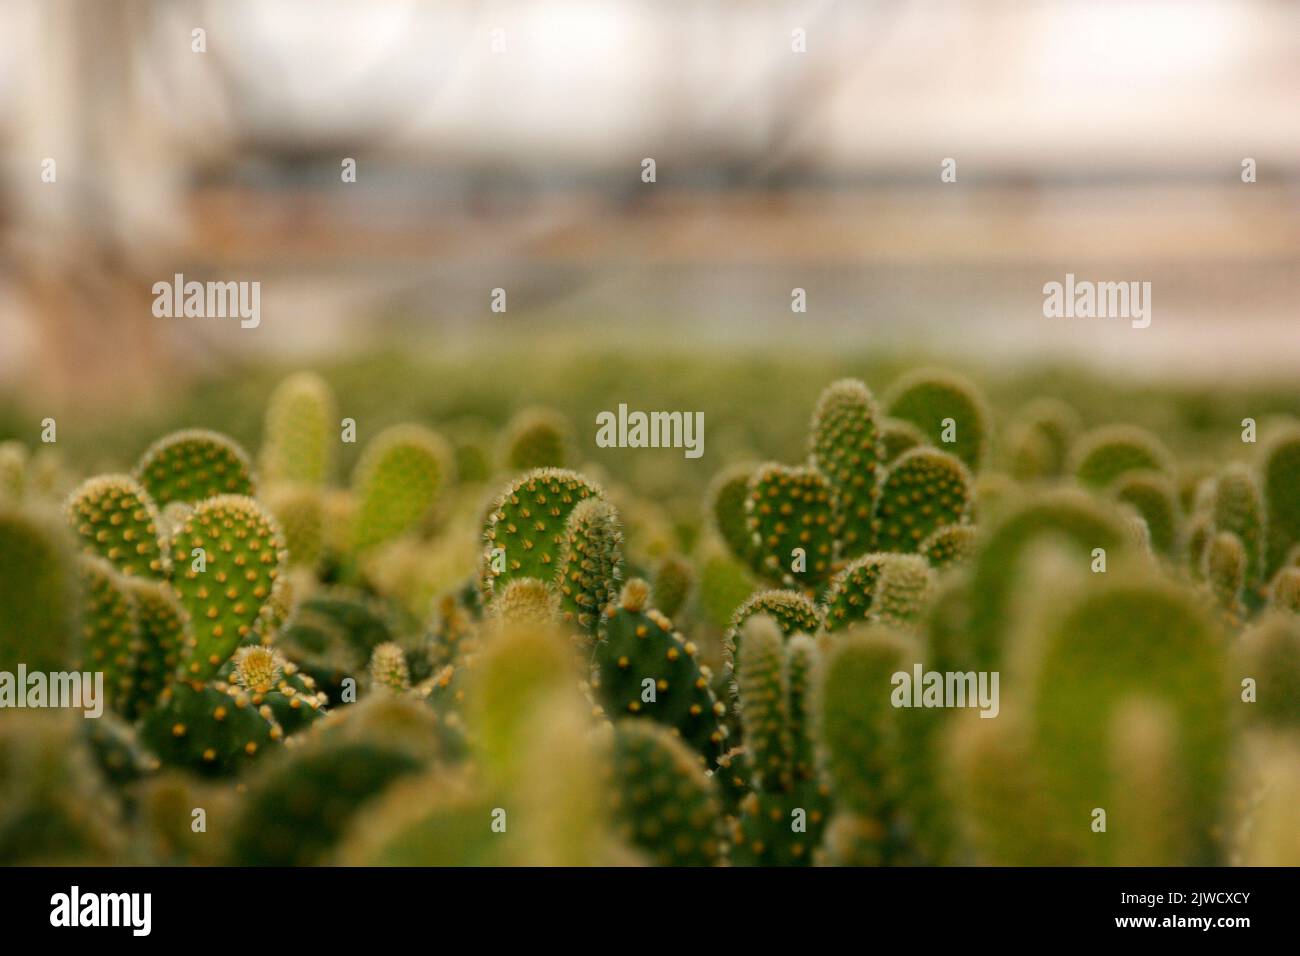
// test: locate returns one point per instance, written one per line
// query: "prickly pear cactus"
(726, 506)
(1281, 486)
(214, 729)
(673, 583)
(110, 631)
(665, 803)
(537, 438)
(189, 466)
(114, 517)
(791, 517)
(1153, 496)
(39, 593)
(949, 545)
(643, 668)
(947, 408)
(793, 612)
(1102, 455)
(300, 436)
(397, 482)
(848, 448)
(592, 570)
(923, 491)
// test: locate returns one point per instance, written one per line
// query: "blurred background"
(500, 144)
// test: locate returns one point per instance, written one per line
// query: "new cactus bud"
(537, 438)
(852, 592)
(949, 545)
(114, 517)
(665, 804)
(526, 601)
(526, 527)
(269, 679)
(646, 669)
(397, 482)
(300, 437)
(923, 491)
(388, 668)
(192, 465)
(903, 589)
(229, 557)
(948, 409)
(1281, 483)
(1106, 453)
(847, 449)
(791, 516)
(592, 570)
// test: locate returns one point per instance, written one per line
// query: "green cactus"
(397, 482)
(944, 405)
(881, 760)
(299, 438)
(39, 593)
(591, 572)
(673, 582)
(898, 436)
(226, 589)
(110, 631)
(665, 803)
(782, 818)
(164, 630)
(114, 517)
(923, 491)
(1153, 496)
(528, 524)
(117, 750)
(793, 612)
(1284, 591)
(1281, 485)
(644, 668)
(1196, 538)
(388, 668)
(189, 466)
(847, 448)
(537, 438)
(1040, 439)
(526, 601)
(852, 592)
(1238, 507)
(949, 545)
(726, 497)
(1106, 453)
(790, 513)
(1066, 515)
(270, 680)
(724, 585)
(903, 589)
(213, 729)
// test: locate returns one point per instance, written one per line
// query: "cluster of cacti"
(911, 645)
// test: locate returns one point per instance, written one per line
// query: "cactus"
(782, 818)
(590, 575)
(1281, 485)
(1238, 507)
(164, 629)
(665, 803)
(300, 512)
(949, 545)
(528, 523)
(269, 679)
(852, 592)
(674, 580)
(923, 491)
(644, 668)
(1224, 567)
(110, 632)
(847, 449)
(793, 612)
(189, 466)
(724, 585)
(1153, 496)
(1284, 591)
(117, 750)
(388, 668)
(114, 517)
(726, 497)
(213, 728)
(397, 482)
(1039, 441)
(227, 591)
(931, 398)
(299, 437)
(1268, 653)
(537, 438)
(791, 510)
(1106, 453)
(527, 601)
(903, 590)
(39, 593)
